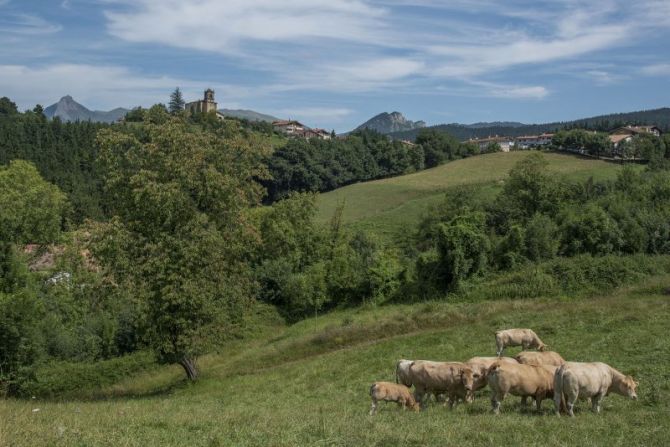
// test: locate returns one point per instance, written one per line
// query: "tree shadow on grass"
(115, 392)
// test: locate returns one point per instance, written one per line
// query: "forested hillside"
(64, 153)
(656, 117)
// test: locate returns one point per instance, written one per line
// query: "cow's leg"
(495, 402)
(538, 403)
(373, 409)
(570, 400)
(420, 397)
(524, 401)
(595, 403)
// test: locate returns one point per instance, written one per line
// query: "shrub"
(580, 275)
(463, 248)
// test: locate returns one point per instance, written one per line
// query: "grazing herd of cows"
(540, 374)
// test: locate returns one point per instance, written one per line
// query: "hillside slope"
(250, 115)
(308, 384)
(387, 205)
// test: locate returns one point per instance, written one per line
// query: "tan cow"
(391, 392)
(520, 380)
(455, 379)
(594, 380)
(402, 375)
(539, 358)
(481, 366)
(525, 338)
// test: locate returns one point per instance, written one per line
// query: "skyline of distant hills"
(659, 117)
(396, 125)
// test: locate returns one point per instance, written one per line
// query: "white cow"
(594, 380)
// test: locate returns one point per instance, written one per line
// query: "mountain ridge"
(391, 122)
(250, 115)
(67, 109)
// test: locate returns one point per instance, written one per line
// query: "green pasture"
(307, 384)
(392, 205)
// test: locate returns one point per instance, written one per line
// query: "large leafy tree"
(31, 210)
(179, 235)
(530, 188)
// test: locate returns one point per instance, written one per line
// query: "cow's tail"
(372, 388)
(559, 399)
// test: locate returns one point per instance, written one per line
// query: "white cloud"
(352, 75)
(656, 70)
(497, 90)
(101, 87)
(214, 25)
(602, 77)
(26, 24)
(467, 60)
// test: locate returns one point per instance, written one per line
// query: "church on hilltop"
(205, 105)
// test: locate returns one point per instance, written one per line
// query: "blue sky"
(334, 64)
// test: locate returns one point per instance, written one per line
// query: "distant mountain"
(67, 109)
(657, 117)
(391, 122)
(248, 115)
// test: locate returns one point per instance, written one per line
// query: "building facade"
(205, 105)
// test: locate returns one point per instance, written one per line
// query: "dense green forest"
(324, 165)
(657, 117)
(174, 254)
(64, 153)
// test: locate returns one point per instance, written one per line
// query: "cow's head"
(543, 347)
(628, 387)
(402, 374)
(467, 378)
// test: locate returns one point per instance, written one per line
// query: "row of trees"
(323, 165)
(643, 146)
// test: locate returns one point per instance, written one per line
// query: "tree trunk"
(190, 367)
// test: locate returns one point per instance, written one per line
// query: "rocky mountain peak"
(391, 122)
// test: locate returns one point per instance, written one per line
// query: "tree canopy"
(179, 233)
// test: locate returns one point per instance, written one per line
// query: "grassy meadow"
(390, 205)
(307, 384)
